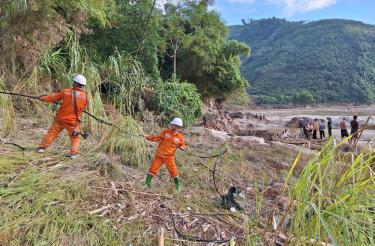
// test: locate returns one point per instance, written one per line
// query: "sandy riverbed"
(282, 116)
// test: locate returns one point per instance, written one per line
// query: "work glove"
(40, 98)
(75, 133)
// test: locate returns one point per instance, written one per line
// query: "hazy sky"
(232, 11)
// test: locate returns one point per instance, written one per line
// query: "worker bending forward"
(74, 101)
(169, 140)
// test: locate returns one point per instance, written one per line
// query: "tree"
(207, 59)
(174, 31)
(127, 33)
(304, 98)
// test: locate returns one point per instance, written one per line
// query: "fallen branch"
(133, 191)
(114, 188)
(99, 210)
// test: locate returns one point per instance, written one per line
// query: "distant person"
(306, 130)
(329, 124)
(322, 128)
(354, 125)
(309, 129)
(315, 129)
(285, 133)
(301, 128)
(344, 128)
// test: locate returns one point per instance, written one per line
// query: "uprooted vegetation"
(99, 198)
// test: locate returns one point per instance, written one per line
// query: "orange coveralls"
(66, 117)
(169, 142)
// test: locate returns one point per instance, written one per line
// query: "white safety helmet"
(177, 122)
(80, 79)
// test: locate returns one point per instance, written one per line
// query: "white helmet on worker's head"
(177, 122)
(80, 79)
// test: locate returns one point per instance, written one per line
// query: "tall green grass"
(127, 81)
(8, 115)
(127, 142)
(334, 199)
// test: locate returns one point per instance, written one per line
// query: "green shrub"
(304, 97)
(177, 99)
(264, 99)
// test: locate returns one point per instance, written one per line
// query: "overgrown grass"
(7, 113)
(47, 205)
(126, 81)
(334, 199)
(127, 141)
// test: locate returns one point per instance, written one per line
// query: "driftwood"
(302, 142)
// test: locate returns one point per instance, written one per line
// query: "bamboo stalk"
(361, 132)
(161, 237)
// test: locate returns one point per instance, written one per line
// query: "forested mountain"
(305, 62)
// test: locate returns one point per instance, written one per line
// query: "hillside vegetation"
(143, 67)
(327, 61)
(128, 50)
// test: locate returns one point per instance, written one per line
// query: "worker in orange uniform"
(74, 101)
(169, 141)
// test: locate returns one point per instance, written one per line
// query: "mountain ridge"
(323, 61)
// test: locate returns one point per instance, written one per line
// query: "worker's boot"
(40, 150)
(72, 156)
(177, 183)
(148, 181)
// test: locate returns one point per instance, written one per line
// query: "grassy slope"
(95, 200)
(45, 199)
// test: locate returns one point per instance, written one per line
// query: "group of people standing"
(354, 126)
(310, 128)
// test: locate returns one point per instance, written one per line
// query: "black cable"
(84, 111)
(214, 170)
(17, 145)
(207, 157)
(145, 26)
(214, 177)
(18, 94)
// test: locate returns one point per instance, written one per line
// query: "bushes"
(304, 97)
(177, 99)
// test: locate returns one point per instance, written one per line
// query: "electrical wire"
(84, 111)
